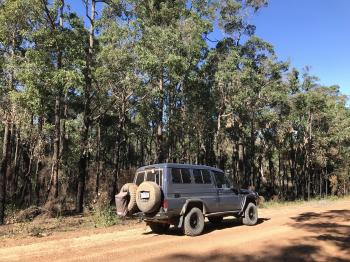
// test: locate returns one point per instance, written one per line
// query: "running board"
(226, 213)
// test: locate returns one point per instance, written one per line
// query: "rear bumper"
(160, 217)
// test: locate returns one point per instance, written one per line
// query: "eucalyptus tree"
(87, 94)
(239, 64)
(14, 21)
(171, 37)
(119, 87)
(137, 82)
(54, 52)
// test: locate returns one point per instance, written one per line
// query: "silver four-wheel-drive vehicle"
(184, 195)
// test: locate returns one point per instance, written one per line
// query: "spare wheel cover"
(148, 197)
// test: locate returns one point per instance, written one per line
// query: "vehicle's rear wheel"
(159, 228)
(215, 220)
(250, 215)
(194, 222)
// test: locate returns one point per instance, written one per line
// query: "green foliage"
(151, 89)
(104, 217)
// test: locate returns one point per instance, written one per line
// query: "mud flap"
(181, 220)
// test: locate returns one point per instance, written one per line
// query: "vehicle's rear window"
(154, 175)
(181, 176)
(140, 177)
(201, 176)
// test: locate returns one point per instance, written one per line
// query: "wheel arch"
(189, 204)
(250, 198)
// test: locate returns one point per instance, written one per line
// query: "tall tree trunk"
(160, 152)
(292, 165)
(54, 181)
(98, 158)
(3, 169)
(119, 149)
(252, 153)
(83, 165)
(234, 165)
(15, 165)
(241, 166)
(84, 134)
(53, 186)
(38, 162)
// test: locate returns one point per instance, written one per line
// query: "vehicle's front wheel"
(159, 228)
(194, 222)
(215, 220)
(250, 215)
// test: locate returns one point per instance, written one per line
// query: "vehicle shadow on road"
(288, 254)
(228, 223)
(210, 227)
(328, 229)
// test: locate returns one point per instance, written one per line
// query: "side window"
(181, 176)
(206, 176)
(197, 176)
(176, 175)
(140, 177)
(186, 176)
(221, 181)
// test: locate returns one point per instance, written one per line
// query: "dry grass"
(279, 203)
(22, 224)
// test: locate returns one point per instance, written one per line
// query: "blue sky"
(312, 33)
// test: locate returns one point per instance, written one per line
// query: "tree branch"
(47, 11)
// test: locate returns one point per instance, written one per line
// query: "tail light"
(165, 204)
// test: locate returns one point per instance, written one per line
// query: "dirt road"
(319, 231)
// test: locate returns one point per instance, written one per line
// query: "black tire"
(194, 222)
(152, 203)
(250, 215)
(159, 228)
(131, 189)
(215, 220)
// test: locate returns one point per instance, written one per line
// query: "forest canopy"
(86, 100)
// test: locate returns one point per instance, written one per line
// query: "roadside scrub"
(280, 203)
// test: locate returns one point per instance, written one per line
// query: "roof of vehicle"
(174, 165)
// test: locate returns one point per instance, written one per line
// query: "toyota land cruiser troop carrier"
(183, 195)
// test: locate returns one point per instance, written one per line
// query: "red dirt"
(318, 231)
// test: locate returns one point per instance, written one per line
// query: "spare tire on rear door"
(131, 189)
(148, 197)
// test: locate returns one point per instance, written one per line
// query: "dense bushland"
(86, 100)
